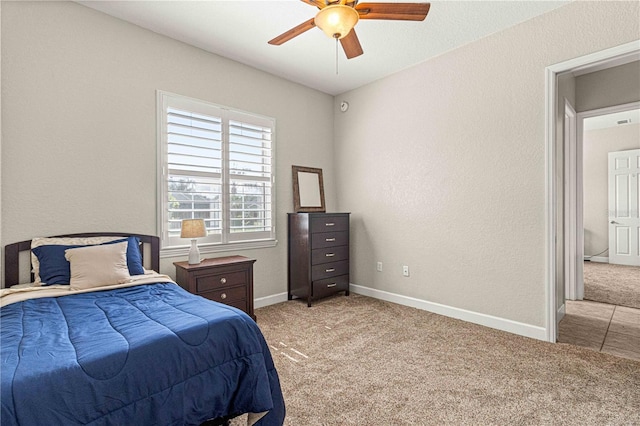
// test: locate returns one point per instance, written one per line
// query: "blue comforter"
(144, 355)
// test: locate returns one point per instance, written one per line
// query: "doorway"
(557, 236)
(608, 319)
(589, 209)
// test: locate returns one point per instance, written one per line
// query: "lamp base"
(194, 253)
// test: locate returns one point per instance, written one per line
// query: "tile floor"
(605, 328)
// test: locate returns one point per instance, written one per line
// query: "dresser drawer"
(327, 270)
(329, 223)
(228, 295)
(329, 239)
(329, 254)
(329, 286)
(212, 282)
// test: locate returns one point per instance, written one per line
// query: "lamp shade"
(337, 20)
(193, 228)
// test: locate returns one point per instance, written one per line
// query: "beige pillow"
(96, 266)
(61, 241)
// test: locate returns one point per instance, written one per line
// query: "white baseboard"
(503, 324)
(597, 259)
(261, 302)
(561, 312)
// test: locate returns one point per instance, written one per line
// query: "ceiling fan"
(338, 17)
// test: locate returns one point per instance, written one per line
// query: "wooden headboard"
(12, 253)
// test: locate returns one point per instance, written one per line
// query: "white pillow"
(95, 266)
(61, 241)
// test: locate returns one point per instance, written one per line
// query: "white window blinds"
(216, 166)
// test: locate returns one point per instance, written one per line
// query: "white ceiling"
(240, 29)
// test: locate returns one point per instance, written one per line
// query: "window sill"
(217, 248)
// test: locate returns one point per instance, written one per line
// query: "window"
(216, 165)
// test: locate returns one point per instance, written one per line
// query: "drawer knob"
(223, 280)
(330, 270)
(330, 254)
(329, 239)
(330, 224)
(331, 285)
(223, 296)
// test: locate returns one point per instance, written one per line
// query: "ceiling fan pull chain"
(336, 55)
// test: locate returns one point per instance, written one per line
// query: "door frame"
(572, 201)
(552, 201)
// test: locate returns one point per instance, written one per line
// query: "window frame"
(170, 247)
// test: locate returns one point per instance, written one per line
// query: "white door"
(624, 219)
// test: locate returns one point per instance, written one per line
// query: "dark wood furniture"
(12, 253)
(227, 280)
(318, 255)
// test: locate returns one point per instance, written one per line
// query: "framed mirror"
(308, 189)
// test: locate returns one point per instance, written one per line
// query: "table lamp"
(193, 228)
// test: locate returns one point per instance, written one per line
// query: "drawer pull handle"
(330, 270)
(223, 296)
(329, 239)
(330, 224)
(330, 254)
(331, 285)
(223, 280)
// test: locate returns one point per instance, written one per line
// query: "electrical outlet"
(405, 270)
(379, 267)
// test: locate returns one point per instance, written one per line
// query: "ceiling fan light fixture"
(337, 20)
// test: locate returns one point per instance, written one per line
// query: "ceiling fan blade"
(396, 11)
(293, 32)
(351, 45)
(320, 4)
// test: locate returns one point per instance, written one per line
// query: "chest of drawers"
(227, 280)
(318, 255)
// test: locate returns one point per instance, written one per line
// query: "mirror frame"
(297, 207)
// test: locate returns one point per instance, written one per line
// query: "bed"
(101, 349)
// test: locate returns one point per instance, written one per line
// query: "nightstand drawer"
(327, 270)
(329, 224)
(329, 286)
(228, 280)
(329, 254)
(227, 295)
(240, 304)
(212, 282)
(329, 239)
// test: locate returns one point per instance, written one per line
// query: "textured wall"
(79, 116)
(597, 144)
(613, 86)
(443, 165)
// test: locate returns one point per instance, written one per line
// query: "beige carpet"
(360, 361)
(613, 284)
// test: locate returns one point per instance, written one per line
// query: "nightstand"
(227, 280)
